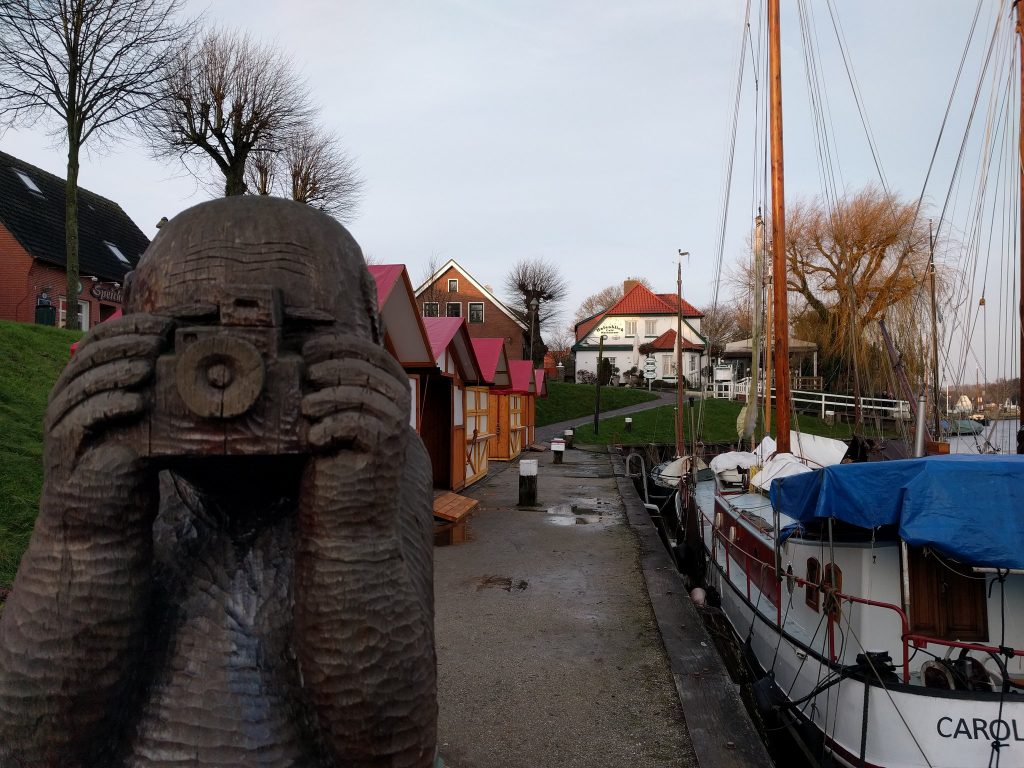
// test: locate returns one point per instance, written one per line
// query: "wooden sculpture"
(232, 560)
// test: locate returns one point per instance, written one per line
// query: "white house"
(642, 317)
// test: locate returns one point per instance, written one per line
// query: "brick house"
(452, 292)
(32, 248)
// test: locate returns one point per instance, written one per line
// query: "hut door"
(436, 428)
(945, 603)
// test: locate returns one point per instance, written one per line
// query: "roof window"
(117, 252)
(27, 181)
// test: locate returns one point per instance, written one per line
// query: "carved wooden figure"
(232, 560)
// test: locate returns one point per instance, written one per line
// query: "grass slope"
(31, 357)
(658, 426)
(570, 401)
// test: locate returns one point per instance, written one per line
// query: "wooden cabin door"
(436, 428)
(946, 600)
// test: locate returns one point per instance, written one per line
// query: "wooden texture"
(232, 563)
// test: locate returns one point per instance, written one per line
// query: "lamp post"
(597, 383)
(534, 304)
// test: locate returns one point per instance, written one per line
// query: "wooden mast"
(1020, 166)
(680, 442)
(779, 282)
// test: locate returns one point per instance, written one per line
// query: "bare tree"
(89, 67)
(226, 98)
(310, 167)
(724, 322)
(535, 289)
(605, 298)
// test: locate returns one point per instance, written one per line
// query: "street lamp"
(533, 322)
(597, 383)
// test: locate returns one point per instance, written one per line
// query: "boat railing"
(831, 595)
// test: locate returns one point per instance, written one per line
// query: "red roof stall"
(541, 385)
(404, 334)
(450, 433)
(510, 411)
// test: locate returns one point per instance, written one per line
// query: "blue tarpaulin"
(968, 507)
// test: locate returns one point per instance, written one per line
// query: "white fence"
(824, 403)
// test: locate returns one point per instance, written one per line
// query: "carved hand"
(73, 623)
(363, 581)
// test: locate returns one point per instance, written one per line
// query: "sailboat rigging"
(880, 603)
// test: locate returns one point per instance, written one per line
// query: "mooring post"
(557, 449)
(528, 483)
(568, 438)
(629, 424)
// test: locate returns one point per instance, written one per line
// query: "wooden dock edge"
(720, 728)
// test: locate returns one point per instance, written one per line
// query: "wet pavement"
(548, 650)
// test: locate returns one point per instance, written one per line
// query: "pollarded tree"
(90, 68)
(535, 289)
(226, 99)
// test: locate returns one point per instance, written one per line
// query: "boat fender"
(768, 696)
(698, 596)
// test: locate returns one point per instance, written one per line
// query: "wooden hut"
(510, 410)
(541, 385)
(405, 336)
(443, 402)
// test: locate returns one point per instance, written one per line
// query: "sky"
(590, 133)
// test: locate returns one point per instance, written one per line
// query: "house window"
(430, 309)
(453, 287)
(811, 594)
(476, 311)
(28, 182)
(453, 309)
(668, 367)
(650, 327)
(693, 363)
(117, 252)
(631, 327)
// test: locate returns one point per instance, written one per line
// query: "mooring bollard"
(558, 449)
(528, 483)
(568, 438)
(629, 424)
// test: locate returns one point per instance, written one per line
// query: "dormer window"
(28, 181)
(117, 252)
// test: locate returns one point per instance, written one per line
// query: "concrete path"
(549, 654)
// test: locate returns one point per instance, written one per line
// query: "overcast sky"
(590, 133)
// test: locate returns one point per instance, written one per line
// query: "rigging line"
(949, 105)
(974, 106)
(888, 693)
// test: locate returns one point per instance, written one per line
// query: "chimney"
(629, 285)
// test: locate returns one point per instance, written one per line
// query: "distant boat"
(962, 427)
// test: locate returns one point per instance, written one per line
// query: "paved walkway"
(549, 654)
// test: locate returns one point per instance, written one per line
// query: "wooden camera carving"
(228, 387)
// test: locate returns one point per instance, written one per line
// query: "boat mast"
(935, 332)
(680, 443)
(779, 282)
(1020, 166)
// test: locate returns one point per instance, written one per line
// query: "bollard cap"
(528, 468)
(567, 433)
(629, 420)
(558, 444)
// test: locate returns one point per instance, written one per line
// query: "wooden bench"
(451, 513)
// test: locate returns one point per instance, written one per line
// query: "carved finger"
(119, 374)
(138, 324)
(360, 400)
(360, 373)
(101, 409)
(332, 346)
(106, 351)
(351, 431)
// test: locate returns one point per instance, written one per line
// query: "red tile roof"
(587, 326)
(440, 331)
(385, 275)
(688, 309)
(639, 300)
(667, 341)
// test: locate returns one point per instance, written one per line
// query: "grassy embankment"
(31, 357)
(573, 401)
(719, 426)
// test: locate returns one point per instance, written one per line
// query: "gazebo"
(743, 350)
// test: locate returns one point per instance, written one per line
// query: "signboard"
(610, 328)
(649, 373)
(650, 364)
(106, 292)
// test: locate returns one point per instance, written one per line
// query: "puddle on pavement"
(584, 512)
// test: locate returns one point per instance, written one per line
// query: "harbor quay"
(551, 652)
